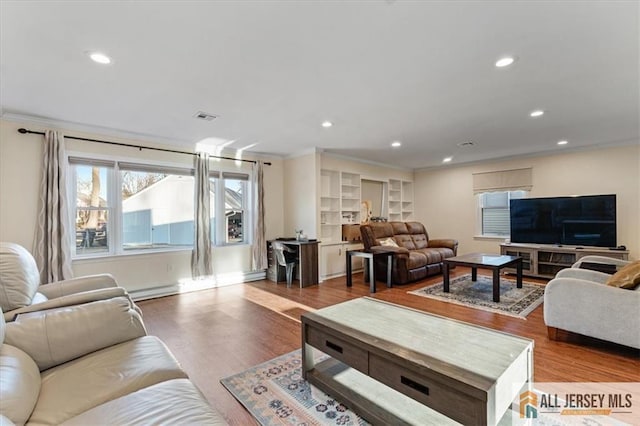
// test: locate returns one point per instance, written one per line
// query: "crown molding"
(107, 132)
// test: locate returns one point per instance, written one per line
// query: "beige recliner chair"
(21, 292)
(93, 364)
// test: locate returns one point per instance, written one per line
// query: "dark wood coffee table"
(495, 262)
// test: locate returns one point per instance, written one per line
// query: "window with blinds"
(494, 212)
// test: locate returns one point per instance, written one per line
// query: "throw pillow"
(627, 277)
(388, 242)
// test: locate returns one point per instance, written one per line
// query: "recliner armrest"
(77, 285)
(70, 300)
(600, 259)
(56, 336)
(396, 250)
(583, 274)
(447, 243)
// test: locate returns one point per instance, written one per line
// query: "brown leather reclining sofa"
(415, 257)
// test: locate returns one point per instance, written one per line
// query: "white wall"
(301, 210)
(20, 172)
(445, 202)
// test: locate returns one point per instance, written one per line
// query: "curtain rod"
(140, 147)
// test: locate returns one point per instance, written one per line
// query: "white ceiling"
(419, 72)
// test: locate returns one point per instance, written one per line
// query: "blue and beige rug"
(276, 394)
(515, 302)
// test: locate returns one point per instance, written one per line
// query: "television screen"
(581, 221)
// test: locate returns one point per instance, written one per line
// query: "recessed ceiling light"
(505, 61)
(396, 144)
(327, 124)
(100, 58)
(536, 113)
(447, 159)
(563, 142)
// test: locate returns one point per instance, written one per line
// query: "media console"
(545, 260)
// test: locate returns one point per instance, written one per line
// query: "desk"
(307, 262)
(369, 257)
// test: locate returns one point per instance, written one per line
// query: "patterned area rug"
(516, 302)
(275, 394)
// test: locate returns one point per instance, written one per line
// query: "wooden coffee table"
(495, 262)
(396, 365)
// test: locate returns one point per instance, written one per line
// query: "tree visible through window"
(92, 209)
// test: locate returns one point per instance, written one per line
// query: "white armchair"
(21, 292)
(580, 301)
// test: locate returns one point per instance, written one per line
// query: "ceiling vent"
(466, 144)
(201, 115)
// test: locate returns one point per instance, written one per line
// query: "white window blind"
(494, 210)
(503, 180)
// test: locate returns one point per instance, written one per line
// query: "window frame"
(514, 194)
(114, 197)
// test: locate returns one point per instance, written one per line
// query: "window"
(157, 207)
(235, 189)
(93, 206)
(494, 212)
(124, 207)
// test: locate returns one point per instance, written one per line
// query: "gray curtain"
(52, 242)
(259, 248)
(201, 263)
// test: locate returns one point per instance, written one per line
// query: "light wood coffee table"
(395, 365)
(495, 262)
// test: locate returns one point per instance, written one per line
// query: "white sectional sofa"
(93, 364)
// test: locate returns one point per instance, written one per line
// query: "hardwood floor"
(219, 332)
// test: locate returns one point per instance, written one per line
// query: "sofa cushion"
(399, 228)
(176, 402)
(416, 260)
(19, 277)
(416, 228)
(432, 255)
(628, 277)
(420, 241)
(443, 251)
(405, 240)
(80, 385)
(44, 336)
(19, 384)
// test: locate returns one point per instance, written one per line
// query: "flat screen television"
(581, 221)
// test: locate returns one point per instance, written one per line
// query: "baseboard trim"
(189, 285)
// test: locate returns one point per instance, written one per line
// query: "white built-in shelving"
(330, 222)
(350, 198)
(407, 201)
(400, 200)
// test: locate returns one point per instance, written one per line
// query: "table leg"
(496, 285)
(445, 277)
(389, 266)
(519, 274)
(372, 275)
(349, 278)
(474, 274)
(365, 272)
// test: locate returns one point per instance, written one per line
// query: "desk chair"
(287, 257)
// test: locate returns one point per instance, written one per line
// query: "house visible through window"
(235, 190)
(123, 207)
(494, 212)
